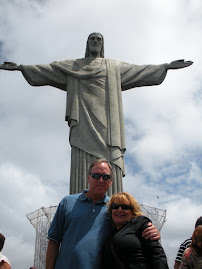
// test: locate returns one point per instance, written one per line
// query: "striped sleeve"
(182, 248)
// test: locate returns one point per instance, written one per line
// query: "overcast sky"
(163, 123)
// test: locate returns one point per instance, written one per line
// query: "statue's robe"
(94, 108)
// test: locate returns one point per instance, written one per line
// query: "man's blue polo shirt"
(81, 227)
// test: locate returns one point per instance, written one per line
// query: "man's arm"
(151, 232)
(51, 255)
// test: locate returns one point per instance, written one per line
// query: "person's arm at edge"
(4, 265)
(151, 232)
(177, 265)
(179, 256)
(51, 254)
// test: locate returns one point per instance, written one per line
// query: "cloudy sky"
(163, 123)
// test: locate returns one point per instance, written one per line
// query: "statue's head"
(95, 43)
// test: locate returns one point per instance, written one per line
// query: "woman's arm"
(152, 249)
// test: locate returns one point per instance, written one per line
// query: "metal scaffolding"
(156, 215)
(41, 220)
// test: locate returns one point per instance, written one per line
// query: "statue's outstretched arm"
(10, 66)
(179, 64)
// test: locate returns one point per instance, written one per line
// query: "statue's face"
(95, 44)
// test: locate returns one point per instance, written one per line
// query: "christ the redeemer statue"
(94, 110)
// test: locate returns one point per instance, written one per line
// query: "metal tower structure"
(156, 215)
(41, 220)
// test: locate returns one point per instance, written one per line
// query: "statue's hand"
(9, 66)
(179, 64)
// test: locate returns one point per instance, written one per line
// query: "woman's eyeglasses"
(123, 206)
(98, 176)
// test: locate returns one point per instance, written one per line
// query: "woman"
(126, 248)
(4, 263)
(192, 257)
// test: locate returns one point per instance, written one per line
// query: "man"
(80, 225)
(94, 104)
(185, 245)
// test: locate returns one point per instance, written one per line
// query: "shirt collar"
(83, 197)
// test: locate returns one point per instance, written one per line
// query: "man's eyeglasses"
(98, 176)
(123, 206)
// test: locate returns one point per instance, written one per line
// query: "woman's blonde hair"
(125, 198)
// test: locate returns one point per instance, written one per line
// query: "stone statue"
(94, 104)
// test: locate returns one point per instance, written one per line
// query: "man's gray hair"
(100, 161)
